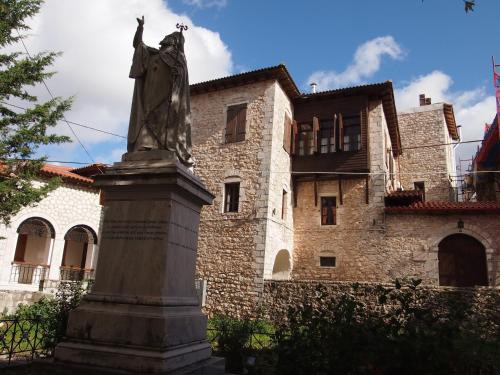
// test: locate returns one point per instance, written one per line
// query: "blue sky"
(430, 47)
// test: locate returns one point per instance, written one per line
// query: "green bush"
(232, 339)
(400, 334)
(52, 313)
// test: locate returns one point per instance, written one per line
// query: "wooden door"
(22, 240)
(462, 261)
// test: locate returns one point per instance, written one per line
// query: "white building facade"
(55, 239)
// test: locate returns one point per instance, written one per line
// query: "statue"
(160, 118)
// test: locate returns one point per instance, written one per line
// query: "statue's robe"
(153, 125)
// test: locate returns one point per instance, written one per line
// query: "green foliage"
(53, 313)
(233, 339)
(22, 132)
(399, 334)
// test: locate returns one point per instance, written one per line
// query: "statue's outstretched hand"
(140, 21)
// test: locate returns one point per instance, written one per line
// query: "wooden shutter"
(295, 131)
(341, 133)
(84, 255)
(22, 240)
(287, 135)
(315, 130)
(334, 133)
(232, 117)
(324, 215)
(241, 122)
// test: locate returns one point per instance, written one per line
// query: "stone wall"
(415, 239)
(9, 300)
(232, 246)
(63, 208)
(356, 241)
(426, 126)
(484, 303)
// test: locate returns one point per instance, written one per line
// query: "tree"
(23, 131)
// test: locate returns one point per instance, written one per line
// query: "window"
(231, 196)
(327, 261)
(420, 186)
(351, 133)
(306, 139)
(328, 211)
(287, 135)
(283, 205)
(236, 123)
(327, 137)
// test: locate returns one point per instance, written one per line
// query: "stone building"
(55, 239)
(330, 186)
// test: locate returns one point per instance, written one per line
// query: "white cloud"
(206, 3)
(473, 108)
(366, 63)
(96, 40)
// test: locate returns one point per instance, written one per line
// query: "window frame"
(346, 127)
(329, 257)
(231, 194)
(324, 213)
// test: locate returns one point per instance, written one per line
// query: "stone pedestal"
(142, 315)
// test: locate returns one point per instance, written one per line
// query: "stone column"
(142, 314)
(55, 258)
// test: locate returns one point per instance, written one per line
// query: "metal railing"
(21, 339)
(76, 273)
(28, 273)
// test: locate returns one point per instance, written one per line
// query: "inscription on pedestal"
(134, 230)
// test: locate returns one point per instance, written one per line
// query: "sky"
(429, 46)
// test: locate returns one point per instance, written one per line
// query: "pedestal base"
(212, 366)
(142, 315)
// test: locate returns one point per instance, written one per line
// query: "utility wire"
(442, 144)
(71, 122)
(64, 118)
(313, 172)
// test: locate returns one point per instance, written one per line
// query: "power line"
(442, 144)
(71, 122)
(52, 96)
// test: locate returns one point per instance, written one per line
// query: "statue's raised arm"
(138, 32)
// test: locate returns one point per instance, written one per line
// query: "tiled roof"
(278, 72)
(66, 173)
(404, 193)
(440, 207)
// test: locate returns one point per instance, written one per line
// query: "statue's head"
(173, 40)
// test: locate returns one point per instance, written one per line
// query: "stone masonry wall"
(426, 126)
(64, 207)
(279, 231)
(415, 238)
(231, 246)
(483, 303)
(356, 239)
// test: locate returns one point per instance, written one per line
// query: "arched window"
(282, 267)
(462, 261)
(31, 257)
(78, 250)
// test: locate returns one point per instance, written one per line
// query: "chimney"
(422, 99)
(313, 87)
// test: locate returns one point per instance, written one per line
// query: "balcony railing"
(28, 273)
(76, 273)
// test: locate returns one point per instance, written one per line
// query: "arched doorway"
(77, 256)
(34, 240)
(462, 261)
(281, 268)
